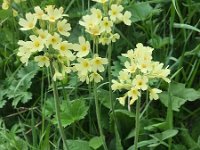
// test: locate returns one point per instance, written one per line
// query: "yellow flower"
(91, 24)
(42, 61)
(57, 75)
(15, 13)
(63, 27)
(115, 37)
(122, 99)
(124, 77)
(116, 12)
(83, 78)
(95, 77)
(104, 40)
(39, 13)
(83, 47)
(126, 18)
(130, 67)
(116, 85)
(130, 54)
(28, 23)
(154, 93)
(133, 94)
(140, 82)
(53, 39)
(106, 25)
(5, 4)
(144, 66)
(84, 66)
(97, 63)
(64, 49)
(24, 51)
(143, 53)
(159, 72)
(96, 13)
(43, 34)
(37, 43)
(53, 14)
(100, 1)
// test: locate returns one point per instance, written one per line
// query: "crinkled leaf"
(179, 94)
(17, 86)
(73, 111)
(21, 97)
(141, 11)
(78, 145)
(159, 42)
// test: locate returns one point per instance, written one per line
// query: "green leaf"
(159, 42)
(195, 51)
(158, 138)
(165, 135)
(104, 98)
(17, 85)
(160, 125)
(95, 142)
(72, 112)
(141, 11)
(143, 143)
(78, 144)
(179, 95)
(186, 26)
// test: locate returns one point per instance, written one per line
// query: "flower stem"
(57, 109)
(118, 139)
(137, 123)
(99, 117)
(170, 116)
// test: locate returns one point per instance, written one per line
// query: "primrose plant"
(140, 74)
(47, 45)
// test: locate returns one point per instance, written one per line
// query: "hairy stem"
(99, 117)
(137, 123)
(57, 109)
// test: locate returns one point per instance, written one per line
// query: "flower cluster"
(88, 68)
(101, 22)
(46, 44)
(139, 75)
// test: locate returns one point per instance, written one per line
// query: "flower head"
(153, 93)
(97, 63)
(42, 61)
(53, 14)
(116, 12)
(63, 27)
(28, 23)
(126, 18)
(139, 70)
(83, 47)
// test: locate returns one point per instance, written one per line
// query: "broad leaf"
(73, 111)
(141, 11)
(179, 95)
(78, 145)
